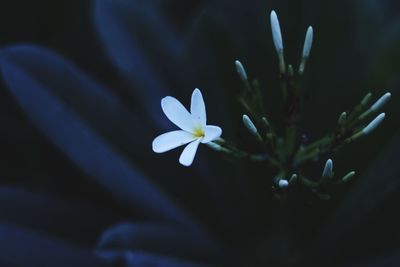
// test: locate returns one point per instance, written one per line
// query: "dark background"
(357, 49)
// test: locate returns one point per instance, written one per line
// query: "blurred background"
(139, 51)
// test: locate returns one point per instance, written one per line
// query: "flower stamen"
(199, 132)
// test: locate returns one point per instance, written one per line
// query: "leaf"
(70, 219)
(370, 196)
(139, 43)
(142, 259)
(32, 75)
(143, 46)
(95, 104)
(158, 239)
(24, 248)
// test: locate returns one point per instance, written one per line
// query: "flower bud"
(380, 102)
(328, 169)
(241, 71)
(348, 176)
(342, 119)
(290, 70)
(373, 124)
(276, 32)
(249, 125)
(308, 42)
(366, 99)
(283, 183)
(293, 179)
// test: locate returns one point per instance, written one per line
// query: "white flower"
(193, 127)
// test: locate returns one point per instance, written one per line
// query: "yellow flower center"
(198, 132)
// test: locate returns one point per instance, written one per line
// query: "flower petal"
(171, 140)
(188, 153)
(177, 113)
(84, 145)
(211, 133)
(198, 108)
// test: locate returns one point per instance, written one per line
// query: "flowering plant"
(286, 154)
(87, 190)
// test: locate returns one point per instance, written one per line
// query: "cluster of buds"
(288, 154)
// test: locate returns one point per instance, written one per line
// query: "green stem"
(313, 149)
(308, 182)
(235, 152)
(290, 140)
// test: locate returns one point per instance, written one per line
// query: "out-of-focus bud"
(306, 49)
(283, 184)
(342, 119)
(328, 169)
(293, 179)
(348, 177)
(366, 99)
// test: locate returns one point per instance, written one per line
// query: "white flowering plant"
(287, 154)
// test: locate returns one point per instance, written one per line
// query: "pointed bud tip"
(240, 70)
(366, 99)
(342, 118)
(374, 124)
(348, 177)
(329, 161)
(381, 101)
(352, 173)
(308, 42)
(290, 70)
(293, 179)
(328, 168)
(276, 32)
(273, 15)
(249, 124)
